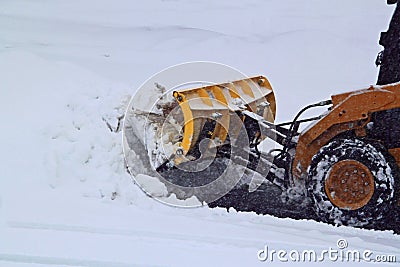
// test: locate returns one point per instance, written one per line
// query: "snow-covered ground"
(67, 70)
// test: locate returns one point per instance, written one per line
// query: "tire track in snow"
(208, 239)
(57, 261)
(253, 243)
(321, 241)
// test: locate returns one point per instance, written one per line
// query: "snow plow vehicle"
(206, 141)
(346, 160)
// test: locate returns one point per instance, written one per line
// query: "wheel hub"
(350, 184)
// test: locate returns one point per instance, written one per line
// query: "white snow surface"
(68, 68)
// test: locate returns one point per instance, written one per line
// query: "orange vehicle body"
(351, 111)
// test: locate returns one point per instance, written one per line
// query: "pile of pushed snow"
(72, 130)
(71, 120)
(86, 144)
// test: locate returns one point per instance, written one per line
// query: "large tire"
(360, 153)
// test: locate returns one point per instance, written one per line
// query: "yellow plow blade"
(219, 103)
